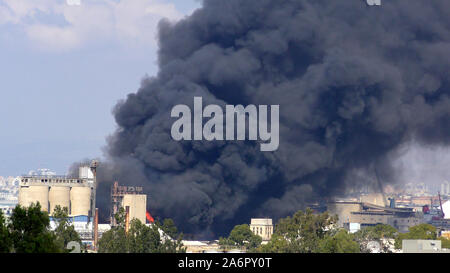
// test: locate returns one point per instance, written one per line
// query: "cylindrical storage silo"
(80, 198)
(59, 196)
(23, 197)
(38, 194)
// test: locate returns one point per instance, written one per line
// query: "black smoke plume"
(353, 82)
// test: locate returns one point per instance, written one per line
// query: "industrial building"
(75, 193)
(262, 227)
(360, 214)
(131, 200)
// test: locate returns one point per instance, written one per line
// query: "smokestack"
(96, 229)
(93, 167)
(127, 219)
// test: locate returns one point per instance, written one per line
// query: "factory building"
(359, 214)
(262, 227)
(137, 204)
(75, 193)
(131, 200)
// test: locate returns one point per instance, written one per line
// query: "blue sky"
(63, 68)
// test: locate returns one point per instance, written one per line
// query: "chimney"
(127, 219)
(96, 229)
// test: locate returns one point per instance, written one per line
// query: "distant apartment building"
(9, 188)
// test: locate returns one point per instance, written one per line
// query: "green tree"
(5, 238)
(169, 228)
(115, 239)
(445, 242)
(65, 232)
(277, 244)
(380, 233)
(241, 236)
(224, 242)
(29, 229)
(341, 242)
(140, 238)
(302, 232)
(419, 232)
(171, 239)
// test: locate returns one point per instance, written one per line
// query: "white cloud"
(126, 22)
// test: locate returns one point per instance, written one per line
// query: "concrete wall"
(34, 194)
(343, 210)
(80, 200)
(59, 196)
(421, 246)
(370, 219)
(137, 204)
(402, 224)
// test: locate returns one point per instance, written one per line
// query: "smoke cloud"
(354, 83)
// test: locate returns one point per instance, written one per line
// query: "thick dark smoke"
(353, 82)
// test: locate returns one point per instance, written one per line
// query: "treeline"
(28, 231)
(157, 238)
(306, 232)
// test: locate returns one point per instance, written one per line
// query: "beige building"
(374, 198)
(366, 214)
(77, 194)
(423, 246)
(343, 210)
(262, 227)
(137, 204)
(370, 218)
